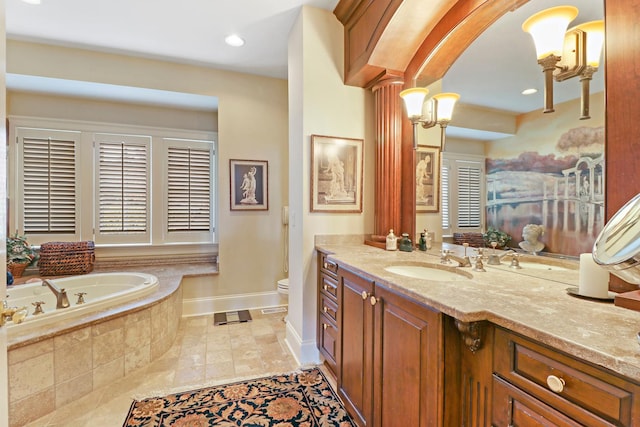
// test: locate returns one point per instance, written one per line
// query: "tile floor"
(202, 354)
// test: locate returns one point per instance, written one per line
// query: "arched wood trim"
(464, 22)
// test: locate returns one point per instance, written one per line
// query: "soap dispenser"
(392, 241)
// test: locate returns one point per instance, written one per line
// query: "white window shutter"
(122, 188)
(48, 167)
(444, 183)
(469, 206)
(189, 189)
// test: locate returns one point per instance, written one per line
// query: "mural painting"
(562, 191)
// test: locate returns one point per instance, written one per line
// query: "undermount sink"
(541, 266)
(428, 272)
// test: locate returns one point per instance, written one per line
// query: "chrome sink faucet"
(62, 301)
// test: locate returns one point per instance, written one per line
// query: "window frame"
(125, 237)
(182, 236)
(17, 214)
(452, 161)
(86, 199)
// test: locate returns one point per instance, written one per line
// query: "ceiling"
(491, 73)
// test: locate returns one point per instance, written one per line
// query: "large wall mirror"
(540, 168)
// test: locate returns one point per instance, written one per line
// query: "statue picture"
(249, 189)
(336, 174)
(427, 161)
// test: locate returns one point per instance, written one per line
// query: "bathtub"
(103, 290)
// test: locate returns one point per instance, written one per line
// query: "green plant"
(496, 235)
(19, 251)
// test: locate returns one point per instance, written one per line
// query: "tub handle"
(38, 309)
(80, 296)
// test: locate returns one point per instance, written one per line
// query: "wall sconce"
(436, 110)
(564, 54)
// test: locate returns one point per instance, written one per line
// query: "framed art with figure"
(336, 174)
(427, 163)
(249, 180)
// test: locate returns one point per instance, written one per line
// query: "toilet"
(283, 289)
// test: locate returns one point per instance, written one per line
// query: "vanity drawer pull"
(325, 326)
(365, 295)
(373, 300)
(325, 309)
(325, 287)
(330, 266)
(555, 384)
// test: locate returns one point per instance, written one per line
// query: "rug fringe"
(181, 389)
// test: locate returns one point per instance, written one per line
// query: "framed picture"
(249, 185)
(427, 161)
(336, 174)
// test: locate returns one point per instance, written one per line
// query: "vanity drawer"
(329, 286)
(328, 341)
(328, 266)
(581, 391)
(513, 407)
(329, 308)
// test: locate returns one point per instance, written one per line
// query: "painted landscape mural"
(561, 189)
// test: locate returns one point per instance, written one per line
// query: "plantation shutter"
(49, 184)
(189, 188)
(123, 187)
(444, 183)
(469, 205)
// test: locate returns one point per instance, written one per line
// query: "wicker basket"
(66, 258)
(475, 240)
(16, 269)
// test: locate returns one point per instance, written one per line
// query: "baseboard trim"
(305, 352)
(209, 305)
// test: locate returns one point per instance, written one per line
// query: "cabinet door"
(407, 362)
(356, 321)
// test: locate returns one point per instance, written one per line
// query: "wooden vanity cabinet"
(535, 385)
(327, 336)
(390, 357)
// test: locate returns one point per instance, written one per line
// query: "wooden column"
(622, 126)
(388, 187)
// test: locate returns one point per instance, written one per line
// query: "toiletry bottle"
(422, 243)
(392, 241)
(405, 243)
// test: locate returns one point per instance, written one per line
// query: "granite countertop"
(169, 279)
(533, 302)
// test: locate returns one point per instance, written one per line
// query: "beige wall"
(540, 132)
(320, 104)
(252, 124)
(92, 110)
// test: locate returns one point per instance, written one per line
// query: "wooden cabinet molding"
(471, 334)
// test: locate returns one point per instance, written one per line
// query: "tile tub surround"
(536, 307)
(61, 362)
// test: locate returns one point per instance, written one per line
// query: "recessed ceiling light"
(529, 91)
(32, 1)
(234, 40)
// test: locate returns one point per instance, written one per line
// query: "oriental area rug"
(303, 398)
